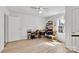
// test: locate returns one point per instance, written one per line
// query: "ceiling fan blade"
(39, 8)
(35, 7)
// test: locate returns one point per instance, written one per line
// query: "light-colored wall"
(2, 12)
(31, 22)
(14, 28)
(28, 22)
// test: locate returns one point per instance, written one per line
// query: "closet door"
(14, 28)
(75, 29)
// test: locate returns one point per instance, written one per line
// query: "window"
(61, 26)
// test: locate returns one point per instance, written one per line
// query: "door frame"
(5, 29)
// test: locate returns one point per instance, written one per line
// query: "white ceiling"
(51, 10)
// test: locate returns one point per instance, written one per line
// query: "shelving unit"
(49, 29)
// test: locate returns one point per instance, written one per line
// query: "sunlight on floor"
(53, 44)
(50, 44)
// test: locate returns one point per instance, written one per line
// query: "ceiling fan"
(39, 8)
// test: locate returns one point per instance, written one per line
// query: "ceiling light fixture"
(40, 12)
(39, 8)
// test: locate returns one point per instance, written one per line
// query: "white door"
(75, 28)
(14, 28)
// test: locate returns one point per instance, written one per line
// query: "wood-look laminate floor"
(42, 45)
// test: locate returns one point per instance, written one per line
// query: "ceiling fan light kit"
(39, 8)
(40, 12)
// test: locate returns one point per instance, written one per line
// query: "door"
(14, 28)
(75, 29)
